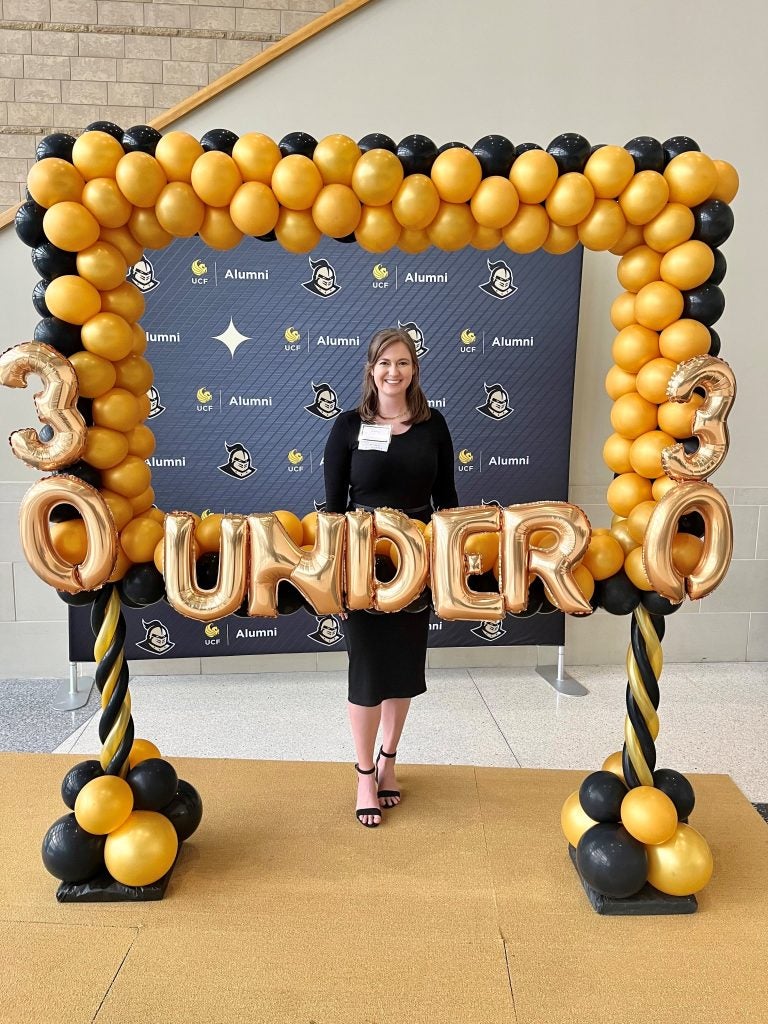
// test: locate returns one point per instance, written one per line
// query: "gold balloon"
(638, 267)
(682, 865)
(662, 530)
(176, 153)
(644, 197)
(451, 596)
(688, 265)
(574, 820)
(648, 815)
(254, 209)
(37, 542)
(95, 375)
(129, 477)
(686, 553)
(692, 177)
(635, 568)
(609, 170)
(317, 574)
(147, 229)
(142, 508)
(619, 382)
(661, 485)
(256, 156)
(120, 508)
(653, 378)
(335, 157)
(456, 174)
(534, 174)
(626, 491)
(56, 405)
(72, 299)
(413, 241)
(107, 335)
(616, 453)
(528, 230)
(411, 560)
(70, 226)
(560, 240)
(495, 202)
(103, 804)
(658, 305)
(179, 209)
(102, 265)
(296, 182)
(122, 566)
(632, 237)
(638, 519)
(632, 415)
(621, 532)
(416, 203)
(603, 226)
(676, 418)
(208, 532)
(103, 198)
(104, 447)
(613, 763)
(710, 421)
(296, 231)
(134, 374)
(453, 225)
(377, 177)
(727, 182)
(140, 537)
(70, 541)
(378, 230)
(139, 340)
(604, 556)
(142, 849)
(126, 301)
(585, 581)
(671, 227)
(141, 178)
(142, 750)
(359, 552)
(571, 199)
(218, 229)
(684, 339)
(183, 592)
(53, 180)
(117, 409)
(336, 211)
(554, 565)
(216, 177)
(96, 155)
(123, 240)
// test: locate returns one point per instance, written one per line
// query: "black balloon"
(690, 445)
(417, 154)
(142, 585)
(692, 522)
(59, 144)
(496, 155)
(713, 222)
(658, 605)
(600, 796)
(525, 147)
(612, 861)
(70, 853)
(618, 594)
(153, 783)
(718, 272)
(207, 570)
(85, 408)
(714, 345)
(452, 145)
(38, 298)
(705, 304)
(61, 513)
(289, 600)
(570, 150)
(647, 152)
(83, 471)
(384, 568)
(377, 140)
(220, 139)
(298, 142)
(483, 583)
(64, 337)
(76, 778)
(347, 238)
(678, 789)
(50, 261)
(108, 127)
(81, 600)
(141, 138)
(597, 145)
(536, 598)
(242, 611)
(185, 811)
(679, 144)
(269, 237)
(29, 223)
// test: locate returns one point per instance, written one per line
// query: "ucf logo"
(496, 405)
(157, 639)
(500, 283)
(239, 463)
(326, 404)
(416, 335)
(142, 274)
(156, 408)
(323, 280)
(489, 631)
(328, 631)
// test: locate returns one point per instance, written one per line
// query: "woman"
(387, 653)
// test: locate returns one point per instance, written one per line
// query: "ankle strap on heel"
(365, 771)
(383, 753)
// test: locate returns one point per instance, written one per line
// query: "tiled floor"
(714, 718)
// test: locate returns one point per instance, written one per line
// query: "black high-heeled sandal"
(361, 811)
(386, 792)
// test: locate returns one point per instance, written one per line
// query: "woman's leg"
(394, 711)
(364, 722)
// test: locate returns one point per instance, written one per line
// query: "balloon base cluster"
(104, 889)
(645, 903)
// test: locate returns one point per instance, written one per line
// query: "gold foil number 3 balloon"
(709, 421)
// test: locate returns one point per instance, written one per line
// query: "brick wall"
(65, 63)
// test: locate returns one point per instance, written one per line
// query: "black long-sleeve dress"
(387, 653)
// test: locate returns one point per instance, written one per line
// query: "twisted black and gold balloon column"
(641, 726)
(116, 724)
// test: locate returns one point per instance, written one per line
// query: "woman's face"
(393, 370)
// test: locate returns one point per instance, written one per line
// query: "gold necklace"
(396, 417)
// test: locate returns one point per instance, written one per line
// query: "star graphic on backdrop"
(232, 338)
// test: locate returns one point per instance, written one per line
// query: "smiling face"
(393, 371)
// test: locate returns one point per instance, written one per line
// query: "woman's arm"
(336, 467)
(444, 488)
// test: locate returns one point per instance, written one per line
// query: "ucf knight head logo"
(326, 404)
(323, 280)
(239, 463)
(490, 631)
(328, 631)
(142, 274)
(416, 335)
(496, 405)
(156, 407)
(157, 639)
(500, 283)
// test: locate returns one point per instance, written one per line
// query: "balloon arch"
(91, 530)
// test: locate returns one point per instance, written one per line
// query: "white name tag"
(374, 437)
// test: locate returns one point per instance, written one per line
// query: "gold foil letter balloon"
(451, 596)
(55, 405)
(182, 590)
(553, 564)
(317, 574)
(359, 561)
(412, 566)
(709, 421)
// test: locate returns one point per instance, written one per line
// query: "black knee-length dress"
(387, 653)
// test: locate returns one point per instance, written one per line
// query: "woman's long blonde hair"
(415, 398)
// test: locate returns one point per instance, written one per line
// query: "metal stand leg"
(76, 694)
(559, 679)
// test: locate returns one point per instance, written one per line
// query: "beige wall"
(458, 71)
